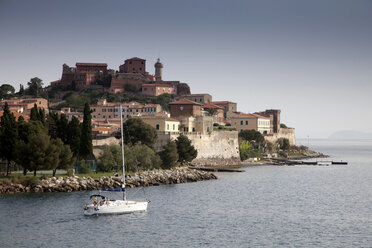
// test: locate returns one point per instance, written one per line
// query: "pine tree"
(34, 116)
(8, 136)
(169, 155)
(186, 151)
(86, 146)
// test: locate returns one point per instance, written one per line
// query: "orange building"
(24, 106)
(158, 89)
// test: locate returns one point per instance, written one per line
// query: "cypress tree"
(86, 146)
(73, 135)
(8, 136)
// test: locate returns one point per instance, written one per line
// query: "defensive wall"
(287, 133)
(219, 148)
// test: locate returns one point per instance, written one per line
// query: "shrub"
(70, 172)
(84, 168)
(30, 181)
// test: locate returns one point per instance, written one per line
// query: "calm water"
(292, 206)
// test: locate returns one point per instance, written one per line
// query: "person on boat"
(95, 201)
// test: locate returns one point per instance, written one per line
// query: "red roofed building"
(133, 65)
(215, 111)
(158, 89)
(185, 107)
(229, 108)
(200, 98)
(251, 122)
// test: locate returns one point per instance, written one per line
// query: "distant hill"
(350, 134)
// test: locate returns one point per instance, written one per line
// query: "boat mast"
(122, 150)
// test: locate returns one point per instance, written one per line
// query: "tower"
(158, 70)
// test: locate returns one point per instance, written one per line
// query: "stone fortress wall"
(288, 133)
(219, 148)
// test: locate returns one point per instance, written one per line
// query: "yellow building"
(200, 124)
(251, 122)
(162, 124)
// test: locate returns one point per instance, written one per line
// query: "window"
(174, 127)
(141, 62)
(167, 126)
(193, 129)
(130, 62)
(109, 116)
(140, 68)
(241, 122)
(157, 126)
(246, 122)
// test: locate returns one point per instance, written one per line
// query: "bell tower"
(158, 70)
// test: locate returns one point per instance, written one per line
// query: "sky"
(311, 59)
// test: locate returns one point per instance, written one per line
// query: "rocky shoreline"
(74, 183)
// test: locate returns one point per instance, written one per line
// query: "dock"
(279, 161)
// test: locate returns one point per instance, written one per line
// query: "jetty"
(282, 161)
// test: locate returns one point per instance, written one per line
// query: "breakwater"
(74, 183)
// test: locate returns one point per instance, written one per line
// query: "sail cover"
(117, 189)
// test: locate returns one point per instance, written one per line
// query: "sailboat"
(100, 204)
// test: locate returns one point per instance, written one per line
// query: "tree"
(132, 87)
(282, 125)
(186, 151)
(65, 157)
(284, 143)
(73, 135)
(86, 146)
(6, 90)
(110, 159)
(21, 90)
(35, 86)
(137, 131)
(141, 157)
(38, 153)
(169, 155)
(211, 111)
(8, 136)
(251, 135)
(62, 127)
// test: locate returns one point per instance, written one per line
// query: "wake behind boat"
(100, 204)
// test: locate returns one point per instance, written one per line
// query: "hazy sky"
(311, 59)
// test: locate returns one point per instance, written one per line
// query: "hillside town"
(212, 126)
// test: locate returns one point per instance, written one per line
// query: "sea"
(265, 206)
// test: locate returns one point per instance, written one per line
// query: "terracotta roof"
(184, 102)
(222, 102)
(158, 85)
(135, 58)
(211, 106)
(249, 116)
(91, 64)
(201, 94)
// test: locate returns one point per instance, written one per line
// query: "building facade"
(200, 98)
(228, 108)
(133, 65)
(158, 89)
(185, 107)
(251, 122)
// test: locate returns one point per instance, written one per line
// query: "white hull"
(116, 207)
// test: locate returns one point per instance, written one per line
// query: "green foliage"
(73, 135)
(29, 181)
(132, 87)
(110, 159)
(141, 157)
(283, 125)
(169, 155)
(64, 158)
(244, 150)
(70, 172)
(86, 146)
(37, 114)
(163, 100)
(8, 136)
(35, 86)
(186, 151)
(6, 91)
(84, 168)
(284, 144)
(252, 135)
(137, 131)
